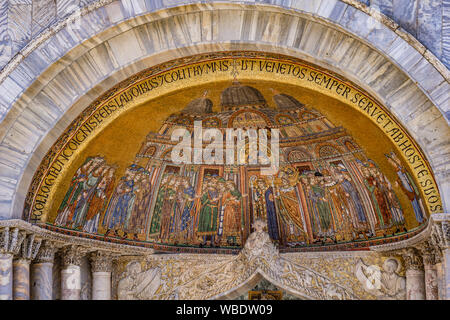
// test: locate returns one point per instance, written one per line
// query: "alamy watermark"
(233, 147)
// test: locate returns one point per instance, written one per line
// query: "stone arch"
(251, 282)
(38, 109)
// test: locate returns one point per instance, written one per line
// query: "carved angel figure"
(385, 284)
(138, 284)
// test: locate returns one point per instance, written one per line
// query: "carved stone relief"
(218, 276)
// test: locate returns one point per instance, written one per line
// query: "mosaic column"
(10, 242)
(42, 272)
(101, 265)
(21, 267)
(415, 275)
(71, 273)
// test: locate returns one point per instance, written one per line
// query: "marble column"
(431, 258)
(71, 273)
(446, 272)
(415, 275)
(10, 242)
(6, 272)
(42, 272)
(101, 265)
(21, 279)
(21, 267)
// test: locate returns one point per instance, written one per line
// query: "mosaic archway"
(126, 189)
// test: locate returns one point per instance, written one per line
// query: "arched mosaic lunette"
(28, 143)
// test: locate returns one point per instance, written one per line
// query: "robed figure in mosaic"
(68, 205)
(231, 211)
(265, 207)
(120, 202)
(408, 186)
(209, 209)
(137, 212)
(98, 203)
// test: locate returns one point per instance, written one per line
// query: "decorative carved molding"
(71, 255)
(60, 240)
(101, 261)
(46, 252)
(11, 240)
(412, 259)
(196, 277)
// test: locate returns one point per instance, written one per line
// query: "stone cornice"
(60, 240)
(437, 232)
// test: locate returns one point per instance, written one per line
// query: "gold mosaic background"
(122, 138)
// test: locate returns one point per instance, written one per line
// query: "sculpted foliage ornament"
(412, 258)
(194, 277)
(11, 240)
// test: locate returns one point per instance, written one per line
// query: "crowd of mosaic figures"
(336, 203)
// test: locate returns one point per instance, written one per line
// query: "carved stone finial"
(412, 258)
(71, 255)
(11, 240)
(46, 252)
(101, 261)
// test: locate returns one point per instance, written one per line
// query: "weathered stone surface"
(430, 25)
(44, 14)
(405, 14)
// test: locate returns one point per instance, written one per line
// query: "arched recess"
(60, 77)
(251, 282)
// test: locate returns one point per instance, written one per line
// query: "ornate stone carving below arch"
(217, 277)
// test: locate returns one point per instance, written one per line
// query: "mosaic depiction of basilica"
(327, 191)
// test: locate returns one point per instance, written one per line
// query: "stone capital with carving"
(30, 248)
(71, 255)
(440, 231)
(11, 240)
(412, 258)
(101, 261)
(430, 253)
(46, 253)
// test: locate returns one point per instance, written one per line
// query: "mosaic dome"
(199, 106)
(241, 95)
(285, 101)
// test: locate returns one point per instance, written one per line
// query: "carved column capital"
(30, 248)
(46, 252)
(11, 240)
(412, 258)
(101, 261)
(71, 255)
(440, 231)
(431, 254)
